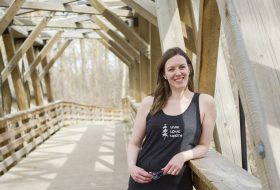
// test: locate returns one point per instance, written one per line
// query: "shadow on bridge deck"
(78, 157)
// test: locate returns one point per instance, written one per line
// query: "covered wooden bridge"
(54, 144)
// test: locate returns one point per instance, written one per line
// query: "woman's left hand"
(175, 165)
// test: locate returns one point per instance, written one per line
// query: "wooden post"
(209, 39)
(47, 80)
(207, 53)
(138, 82)
(155, 54)
(21, 65)
(16, 75)
(38, 94)
(145, 65)
(131, 81)
(6, 96)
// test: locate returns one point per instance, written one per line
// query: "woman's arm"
(138, 174)
(208, 117)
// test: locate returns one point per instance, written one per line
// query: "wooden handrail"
(23, 131)
(213, 171)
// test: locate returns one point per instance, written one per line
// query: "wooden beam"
(24, 11)
(15, 73)
(55, 57)
(250, 94)
(169, 24)
(63, 1)
(55, 24)
(56, 7)
(41, 55)
(111, 3)
(38, 94)
(47, 80)
(131, 80)
(137, 82)
(145, 8)
(210, 33)
(215, 172)
(114, 35)
(116, 46)
(9, 15)
(114, 51)
(132, 36)
(6, 96)
(72, 35)
(24, 47)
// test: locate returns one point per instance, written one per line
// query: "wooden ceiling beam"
(115, 20)
(24, 11)
(23, 48)
(50, 6)
(72, 34)
(114, 51)
(56, 24)
(145, 8)
(9, 15)
(116, 46)
(114, 35)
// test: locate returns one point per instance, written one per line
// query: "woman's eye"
(171, 69)
(182, 66)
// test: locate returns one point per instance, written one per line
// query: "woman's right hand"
(139, 175)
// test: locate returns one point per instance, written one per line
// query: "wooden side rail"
(214, 171)
(23, 131)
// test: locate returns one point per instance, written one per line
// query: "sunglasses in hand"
(157, 175)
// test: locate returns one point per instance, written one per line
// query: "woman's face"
(176, 72)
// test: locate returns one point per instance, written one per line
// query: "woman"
(176, 125)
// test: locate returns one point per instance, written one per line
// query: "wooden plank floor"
(78, 157)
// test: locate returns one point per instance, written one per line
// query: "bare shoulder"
(146, 104)
(207, 101)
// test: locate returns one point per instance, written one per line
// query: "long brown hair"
(162, 91)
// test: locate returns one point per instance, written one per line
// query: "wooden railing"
(23, 131)
(214, 171)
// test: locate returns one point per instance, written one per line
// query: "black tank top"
(166, 136)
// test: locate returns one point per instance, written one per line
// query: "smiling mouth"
(179, 79)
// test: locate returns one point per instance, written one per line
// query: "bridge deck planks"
(85, 156)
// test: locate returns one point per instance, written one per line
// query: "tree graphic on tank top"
(164, 132)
